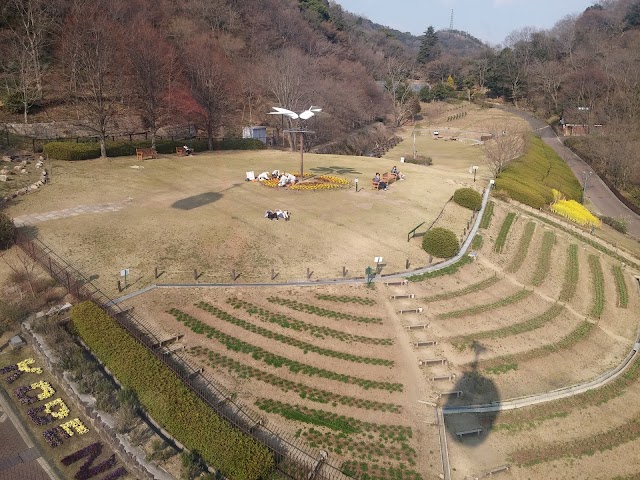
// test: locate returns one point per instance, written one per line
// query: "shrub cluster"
(530, 178)
(468, 198)
(7, 231)
(168, 401)
(618, 224)
(440, 242)
(88, 150)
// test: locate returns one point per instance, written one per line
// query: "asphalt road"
(603, 200)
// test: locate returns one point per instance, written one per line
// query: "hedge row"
(530, 178)
(89, 150)
(168, 400)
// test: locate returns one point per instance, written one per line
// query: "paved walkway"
(19, 458)
(34, 218)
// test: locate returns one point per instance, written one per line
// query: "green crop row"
(475, 287)
(321, 312)
(477, 242)
(466, 341)
(544, 259)
(504, 231)
(274, 360)
(341, 423)
(486, 216)
(294, 342)
(570, 274)
(298, 325)
(621, 287)
(598, 286)
(217, 360)
(167, 400)
(449, 270)
(587, 240)
(357, 447)
(503, 302)
(371, 471)
(578, 334)
(346, 299)
(523, 248)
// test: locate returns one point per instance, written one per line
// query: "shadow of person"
(471, 428)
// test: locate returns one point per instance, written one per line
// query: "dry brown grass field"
(335, 365)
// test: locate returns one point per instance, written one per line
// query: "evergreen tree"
(430, 47)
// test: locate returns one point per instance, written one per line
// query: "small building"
(575, 122)
(257, 132)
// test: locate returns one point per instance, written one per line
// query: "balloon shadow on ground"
(472, 429)
(197, 201)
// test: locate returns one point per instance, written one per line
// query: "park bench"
(180, 151)
(386, 177)
(142, 153)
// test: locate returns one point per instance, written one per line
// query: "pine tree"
(430, 47)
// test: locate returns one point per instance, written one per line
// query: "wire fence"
(293, 458)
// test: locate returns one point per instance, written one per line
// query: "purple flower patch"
(45, 419)
(55, 436)
(87, 471)
(21, 393)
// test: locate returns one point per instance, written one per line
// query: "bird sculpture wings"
(307, 114)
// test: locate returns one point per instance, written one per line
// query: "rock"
(4, 171)
(24, 170)
(17, 167)
(17, 342)
(40, 159)
(3, 178)
(24, 163)
(6, 158)
(34, 186)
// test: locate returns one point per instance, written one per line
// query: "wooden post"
(233, 275)
(273, 274)
(156, 273)
(301, 156)
(119, 286)
(308, 273)
(344, 271)
(407, 265)
(195, 275)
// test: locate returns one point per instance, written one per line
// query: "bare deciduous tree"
(90, 51)
(504, 146)
(397, 87)
(152, 63)
(209, 76)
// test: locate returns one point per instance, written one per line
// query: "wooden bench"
(386, 177)
(180, 151)
(142, 153)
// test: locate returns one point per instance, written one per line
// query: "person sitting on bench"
(382, 185)
(396, 173)
(187, 150)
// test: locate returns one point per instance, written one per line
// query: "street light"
(355, 180)
(585, 175)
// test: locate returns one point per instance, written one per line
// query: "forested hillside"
(212, 63)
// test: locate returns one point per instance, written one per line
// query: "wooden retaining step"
(457, 393)
(448, 378)
(475, 431)
(433, 361)
(426, 343)
(411, 310)
(397, 297)
(393, 284)
(417, 327)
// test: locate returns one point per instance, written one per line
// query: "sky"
(489, 20)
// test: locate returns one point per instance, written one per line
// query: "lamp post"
(585, 175)
(355, 180)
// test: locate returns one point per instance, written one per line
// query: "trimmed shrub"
(167, 399)
(468, 198)
(7, 231)
(440, 242)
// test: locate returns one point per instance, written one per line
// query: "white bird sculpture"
(307, 114)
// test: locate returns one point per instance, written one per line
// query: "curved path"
(597, 192)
